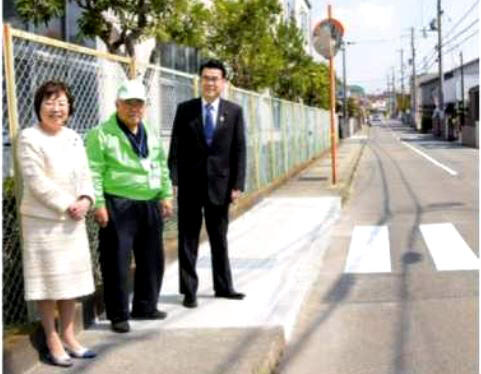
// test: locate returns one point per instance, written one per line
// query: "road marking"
(360, 137)
(447, 247)
(369, 250)
(429, 158)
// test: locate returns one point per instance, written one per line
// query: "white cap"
(131, 89)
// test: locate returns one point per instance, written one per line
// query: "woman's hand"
(79, 208)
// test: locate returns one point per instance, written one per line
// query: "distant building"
(301, 12)
(468, 74)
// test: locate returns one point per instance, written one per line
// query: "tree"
(242, 36)
(300, 77)
(181, 21)
(292, 80)
(317, 91)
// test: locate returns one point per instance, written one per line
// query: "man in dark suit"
(207, 162)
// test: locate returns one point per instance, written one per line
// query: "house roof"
(448, 73)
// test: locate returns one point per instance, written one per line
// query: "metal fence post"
(10, 82)
(253, 126)
(285, 138)
(13, 128)
(196, 86)
(272, 149)
(133, 68)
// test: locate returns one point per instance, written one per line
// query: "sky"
(379, 30)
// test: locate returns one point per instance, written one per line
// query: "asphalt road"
(398, 289)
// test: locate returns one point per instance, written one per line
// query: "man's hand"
(79, 208)
(234, 195)
(166, 208)
(101, 216)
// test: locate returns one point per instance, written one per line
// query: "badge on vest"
(154, 176)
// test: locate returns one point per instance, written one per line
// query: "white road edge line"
(429, 158)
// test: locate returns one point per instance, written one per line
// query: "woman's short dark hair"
(49, 89)
(213, 64)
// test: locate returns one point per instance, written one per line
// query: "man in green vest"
(133, 196)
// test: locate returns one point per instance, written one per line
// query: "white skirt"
(56, 259)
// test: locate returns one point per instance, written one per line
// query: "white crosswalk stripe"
(447, 247)
(369, 249)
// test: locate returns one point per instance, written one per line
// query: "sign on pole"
(327, 37)
(327, 40)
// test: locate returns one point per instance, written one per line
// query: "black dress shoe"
(190, 301)
(120, 326)
(230, 295)
(64, 361)
(156, 314)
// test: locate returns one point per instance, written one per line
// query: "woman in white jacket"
(57, 194)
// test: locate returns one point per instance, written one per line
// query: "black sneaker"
(120, 326)
(156, 314)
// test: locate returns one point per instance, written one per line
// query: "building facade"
(301, 12)
(457, 84)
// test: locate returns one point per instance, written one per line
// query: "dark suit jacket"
(197, 168)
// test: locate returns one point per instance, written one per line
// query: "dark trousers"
(133, 225)
(190, 222)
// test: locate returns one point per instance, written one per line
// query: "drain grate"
(313, 178)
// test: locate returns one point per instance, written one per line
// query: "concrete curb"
(345, 190)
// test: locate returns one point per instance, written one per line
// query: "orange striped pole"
(332, 98)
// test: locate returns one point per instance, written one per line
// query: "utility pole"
(402, 81)
(393, 92)
(462, 88)
(413, 92)
(388, 93)
(441, 75)
(344, 85)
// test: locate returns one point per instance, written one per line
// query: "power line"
(462, 18)
(463, 41)
(453, 48)
(453, 38)
(432, 58)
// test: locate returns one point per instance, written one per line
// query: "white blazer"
(55, 172)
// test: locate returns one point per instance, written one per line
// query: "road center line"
(429, 158)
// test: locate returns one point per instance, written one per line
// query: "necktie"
(209, 124)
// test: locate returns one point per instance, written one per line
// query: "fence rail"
(280, 134)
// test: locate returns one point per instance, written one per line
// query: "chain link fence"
(280, 135)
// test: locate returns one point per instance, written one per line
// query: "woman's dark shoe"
(63, 361)
(80, 353)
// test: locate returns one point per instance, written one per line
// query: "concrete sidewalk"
(275, 249)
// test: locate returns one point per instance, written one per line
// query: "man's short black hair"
(213, 64)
